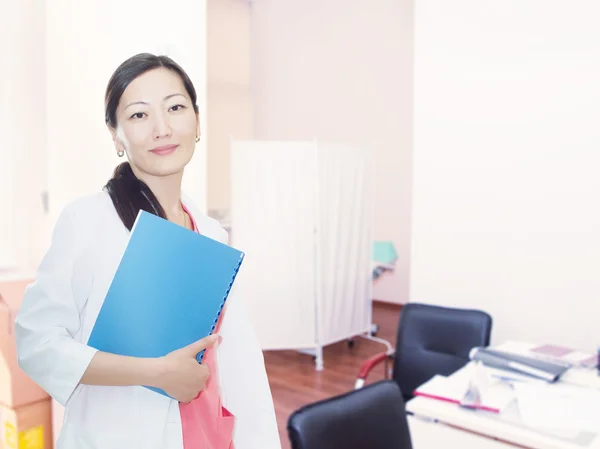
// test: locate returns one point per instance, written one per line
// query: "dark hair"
(129, 194)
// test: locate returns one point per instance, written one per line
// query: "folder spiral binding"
(169, 291)
(200, 356)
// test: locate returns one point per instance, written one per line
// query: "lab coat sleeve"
(49, 316)
(247, 393)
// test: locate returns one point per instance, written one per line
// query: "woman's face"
(156, 124)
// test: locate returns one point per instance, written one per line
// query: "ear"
(198, 125)
(116, 141)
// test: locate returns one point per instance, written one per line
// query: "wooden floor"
(294, 381)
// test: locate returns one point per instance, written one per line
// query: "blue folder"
(168, 292)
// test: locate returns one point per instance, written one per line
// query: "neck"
(167, 190)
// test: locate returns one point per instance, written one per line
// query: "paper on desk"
(558, 406)
(494, 396)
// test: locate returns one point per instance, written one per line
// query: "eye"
(137, 115)
(177, 107)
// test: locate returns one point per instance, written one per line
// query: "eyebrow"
(164, 99)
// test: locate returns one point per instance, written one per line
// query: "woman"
(152, 115)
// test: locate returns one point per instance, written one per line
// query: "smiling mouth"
(164, 150)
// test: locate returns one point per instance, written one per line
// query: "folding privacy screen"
(302, 213)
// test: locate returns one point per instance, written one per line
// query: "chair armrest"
(368, 365)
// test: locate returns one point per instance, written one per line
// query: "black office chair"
(370, 418)
(431, 340)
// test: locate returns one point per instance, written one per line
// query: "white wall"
(506, 159)
(86, 41)
(229, 94)
(22, 127)
(54, 139)
(342, 71)
(79, 63)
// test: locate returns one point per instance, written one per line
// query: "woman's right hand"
(181, 376)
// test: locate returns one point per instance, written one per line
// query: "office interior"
(411, 178)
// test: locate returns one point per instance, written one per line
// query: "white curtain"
(302, 213)
(344, 242)
(273, 216)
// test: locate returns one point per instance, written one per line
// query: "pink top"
(206, 424)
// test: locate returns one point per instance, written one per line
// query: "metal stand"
(317, 354)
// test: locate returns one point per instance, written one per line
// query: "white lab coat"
(57, 316)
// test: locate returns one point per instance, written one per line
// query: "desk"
(432, 417)
(428, 435)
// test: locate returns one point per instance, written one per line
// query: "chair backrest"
(436, 340)
(373, 417)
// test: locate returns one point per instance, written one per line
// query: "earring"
(120, 153)
(197, 139)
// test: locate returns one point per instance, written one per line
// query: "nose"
(162, 127)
